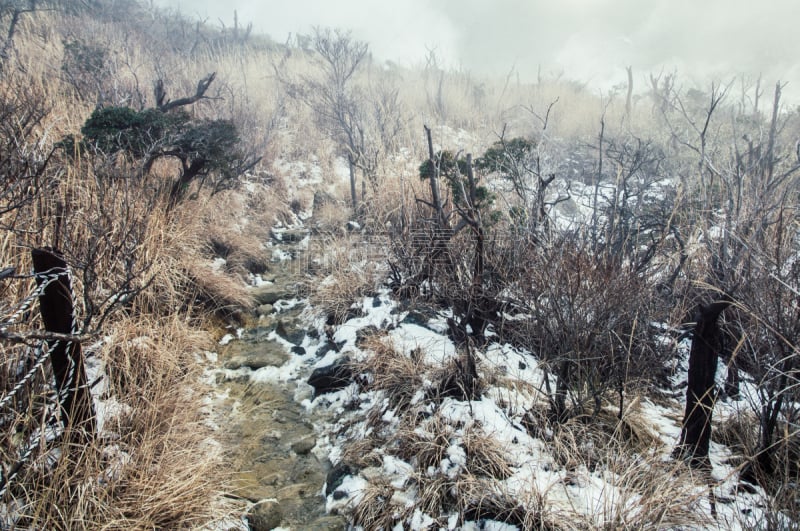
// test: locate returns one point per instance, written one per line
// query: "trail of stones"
(269, 436)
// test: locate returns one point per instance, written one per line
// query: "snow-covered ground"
(451, 436)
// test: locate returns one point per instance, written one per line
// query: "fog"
(587, 40)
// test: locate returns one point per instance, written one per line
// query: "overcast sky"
(589, 40)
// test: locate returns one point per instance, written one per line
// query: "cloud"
(584, 39)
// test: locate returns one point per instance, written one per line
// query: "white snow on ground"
(218, 264)
(257, 281)
(279, 255)
(436, 347)
(593, 497)
(227, 338)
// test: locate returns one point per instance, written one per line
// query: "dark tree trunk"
(437, 201)
(179, 187)
(558, 405)
(77, 410)
(732, 382)
(353, 195)
(700, 393)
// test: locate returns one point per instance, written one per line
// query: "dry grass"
(651, 494)
(345, 272)
(148, 354)
(154, 467)
(376, 510)
(398, 375)
(486, 498)
(331, 215)
(485, 457)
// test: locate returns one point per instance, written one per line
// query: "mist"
(587, 40)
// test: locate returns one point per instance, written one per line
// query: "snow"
(595, 497)
(257, 281)
(218, 264)
(514, 384)
(279, 255)
(409, 337)
(227, 338)
(350, 493)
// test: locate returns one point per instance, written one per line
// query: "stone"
(265, 515)
(329, 523)
(294, 236)
(291, 330)
(331, 377)
(324, 348)
(417, 318)
(256, 356)
(272, 293)
(296, 492)
(373, 474)
(265, 309)
(221, 378)
(304, 446)
(335, 477)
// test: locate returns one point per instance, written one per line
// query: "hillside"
(252, 285)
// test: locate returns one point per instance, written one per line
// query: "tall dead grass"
(143, 292)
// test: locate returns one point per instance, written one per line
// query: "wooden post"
(701, 393)
(58, 316)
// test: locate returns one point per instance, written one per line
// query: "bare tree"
(364, 121)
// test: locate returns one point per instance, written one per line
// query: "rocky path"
(269, 436)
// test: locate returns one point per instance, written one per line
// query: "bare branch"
(161, 95)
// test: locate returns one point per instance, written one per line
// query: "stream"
(268, 435)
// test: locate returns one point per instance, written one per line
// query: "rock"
(294, 236)
(417, 318)
(304, 446)
(265, 309)
(291, 330)
(260, 334)
(300, 351)
(221, 378)
(272, 293)
(331, 377)
(372, 474)
(256, 356)
(296, 492)
(289, 235)
(328, 346)
(323, 198)
(264, 516)
(329, 523)
(335, 477)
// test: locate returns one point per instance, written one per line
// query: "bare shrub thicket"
(699, 211)
(582, 301)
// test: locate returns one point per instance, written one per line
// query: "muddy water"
(269, 436)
